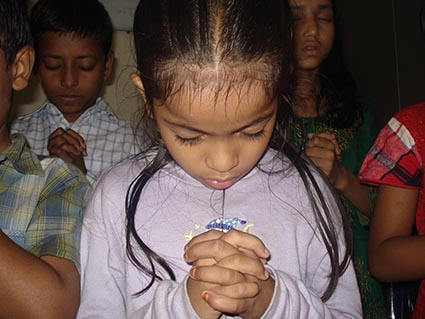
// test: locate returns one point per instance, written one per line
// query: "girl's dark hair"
(422, 19)
(178, 43)
(84, 18)
(337, 86)
(14, 28)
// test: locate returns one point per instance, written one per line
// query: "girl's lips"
(311, 49)
(220, 184)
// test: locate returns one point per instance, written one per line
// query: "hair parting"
(198, 42)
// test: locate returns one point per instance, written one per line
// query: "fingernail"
(266, 251)
(205, 296)
(266, 274)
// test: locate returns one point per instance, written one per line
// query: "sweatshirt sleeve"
(170, 301)
(298, 293)
(293, 299)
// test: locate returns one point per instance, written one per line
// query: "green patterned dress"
(354, 143)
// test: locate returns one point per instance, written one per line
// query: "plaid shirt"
(395, 158)
(108, 139)
(41, 202)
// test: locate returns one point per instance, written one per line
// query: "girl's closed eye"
(256, 135)
(188, 141)
(325, 18)
(296, 18)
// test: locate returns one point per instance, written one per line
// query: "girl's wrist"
(342, 181)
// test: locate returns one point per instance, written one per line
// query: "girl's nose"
(311, 28)
(222, 159)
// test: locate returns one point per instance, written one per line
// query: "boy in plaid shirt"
(41, 200)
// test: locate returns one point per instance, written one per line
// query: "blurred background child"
(331, 126)
(73, 59)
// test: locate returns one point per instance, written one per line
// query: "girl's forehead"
(217, 95)
(216, 76)
(209, 111)
(310, 3)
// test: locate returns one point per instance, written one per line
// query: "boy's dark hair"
(84, 18)
(14, 27)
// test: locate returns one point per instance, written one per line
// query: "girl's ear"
(137, 81)
(21, 68)
(109, 64)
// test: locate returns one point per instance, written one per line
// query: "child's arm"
(68, 145)
(323, 150)
(32, 287)
(395, 255)
(46, 286)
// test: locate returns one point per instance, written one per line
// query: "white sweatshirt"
(173, 208)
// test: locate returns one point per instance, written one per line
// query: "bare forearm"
(353, 191)
(398, 259)
(31, 287)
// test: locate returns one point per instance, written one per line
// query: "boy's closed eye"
(87, 64)
(51, 63)
(84, 64)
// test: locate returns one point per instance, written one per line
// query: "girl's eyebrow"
(322, 7)
(263, 118)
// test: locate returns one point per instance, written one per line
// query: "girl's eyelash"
(187, 141)
(254, 136)
(192, 141)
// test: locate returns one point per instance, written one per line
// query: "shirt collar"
(21, 157)
(98, 108)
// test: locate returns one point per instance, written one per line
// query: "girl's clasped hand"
(228, 269)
